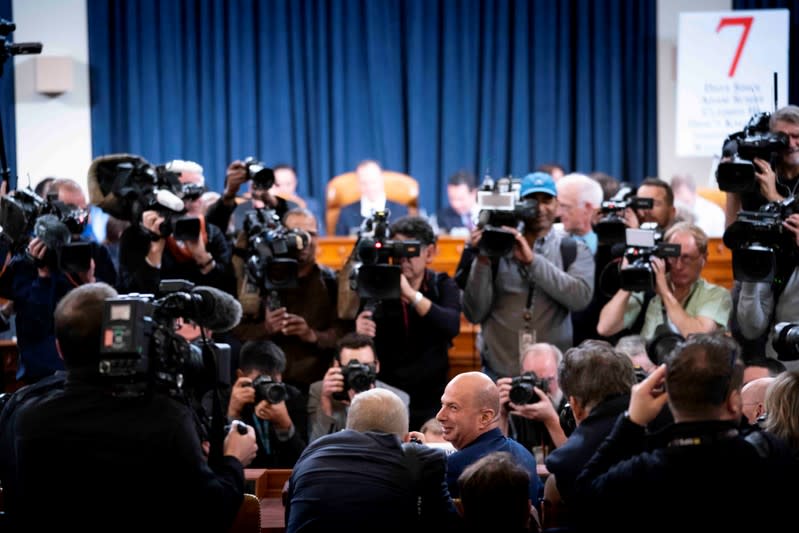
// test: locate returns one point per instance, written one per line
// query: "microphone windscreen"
(219, 311)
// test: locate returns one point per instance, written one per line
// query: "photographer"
(761, 305)
(684, 303)
(413, 334)
(303, 323)
(663, 212)
(529, 296)
(277, 411)
(330, 398)
(75, 441)
(775, 183)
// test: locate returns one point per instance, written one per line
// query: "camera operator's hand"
(475, 236)
(241, 394)
(661, 282)
(274, 320)
(767, 180)
(792, 224)
(277, 413)
(365, 324)
(504, 385)
(332, 383)
(36, 250)
(542, 410)
(296, 325)
(235, 176)
(88, 276)
(204, 260)
(631, 219)
(242, 447)
(521, 248)
(407, 293)
(151, 221)
(648, 397)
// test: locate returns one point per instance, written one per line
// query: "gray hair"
(378, 410)
(589, 190)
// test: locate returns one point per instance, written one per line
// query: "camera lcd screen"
(492, 200)
(643, 238)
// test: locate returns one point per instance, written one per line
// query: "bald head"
(753, 397)
(469, 408)
(479, 388)
(378, 410)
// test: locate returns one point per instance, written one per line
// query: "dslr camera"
(262, 177)
(611, 227)
(755, 140)
(358, 377)
(786, 341)
(268, 389)
(643, 244)
(499, 205)
(272, 250)
(376, 274)
(757, 239)
(522, 388)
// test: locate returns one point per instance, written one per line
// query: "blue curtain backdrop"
(426, 87)
(793, 38)
(9, 123)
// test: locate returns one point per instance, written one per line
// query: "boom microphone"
(207, 306)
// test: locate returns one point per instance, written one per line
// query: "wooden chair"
(248, 519)
(344, 189)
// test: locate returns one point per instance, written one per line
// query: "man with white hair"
(364, 479)
(579, 197)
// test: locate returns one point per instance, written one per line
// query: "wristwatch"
(417, 298)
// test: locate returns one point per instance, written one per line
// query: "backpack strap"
(568, 251)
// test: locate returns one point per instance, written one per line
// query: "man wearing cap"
(526, 296)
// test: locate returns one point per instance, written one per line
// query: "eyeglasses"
(686, 260)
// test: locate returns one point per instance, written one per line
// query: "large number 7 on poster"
(746, 22)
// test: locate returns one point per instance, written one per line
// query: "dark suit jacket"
(447, 218)
(350, 216)
(358, 482)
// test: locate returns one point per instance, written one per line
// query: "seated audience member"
(413, 334)
(579, 199)
(535, 424)
(286, 187)
(470, 417)
(782, 406)
(373, 198)
(704, 454)
(597, 381)
(695, 209)
(494, 495)
(80, 438)
(364, 479)
(277, 411)
(330, 398)
(762, 367)
(684, 302)
(460, 214)
(753, 399)
(634, 347)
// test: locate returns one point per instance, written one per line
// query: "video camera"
(786, 341)
(499, 205)
(376, 274)
(272, 251)
(141, 351)
(755, 140)
(522, 388)
(643, 244)
(358, 377)
(610, 229)
(757, 238)
(268, 389)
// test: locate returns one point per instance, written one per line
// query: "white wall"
(53, 132)
(668, 163)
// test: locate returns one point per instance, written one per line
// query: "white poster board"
(725, 73)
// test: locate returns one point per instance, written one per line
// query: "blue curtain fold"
(793, 37)
(9, 123)
(426, 87)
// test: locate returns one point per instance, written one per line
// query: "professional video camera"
(610, 229)
(758, 238)
(262, 176)
(522, 388)
(642, 245)
(755, 140)
(272, 251)
(358, 377)
(786, 341)
(499, 205)
(141, 351)
(268, 389)
(376, 274)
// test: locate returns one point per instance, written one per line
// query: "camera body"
(273, 250)
(266, 388)
(642, 245)
(357, 376)
(785, 341)
(755, 140)
(522, 388)
(758, 238)
(610, 228)
(262, 177)
(499, 205)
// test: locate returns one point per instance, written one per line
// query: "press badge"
(526, 339)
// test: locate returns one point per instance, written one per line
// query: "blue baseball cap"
(537, 182)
